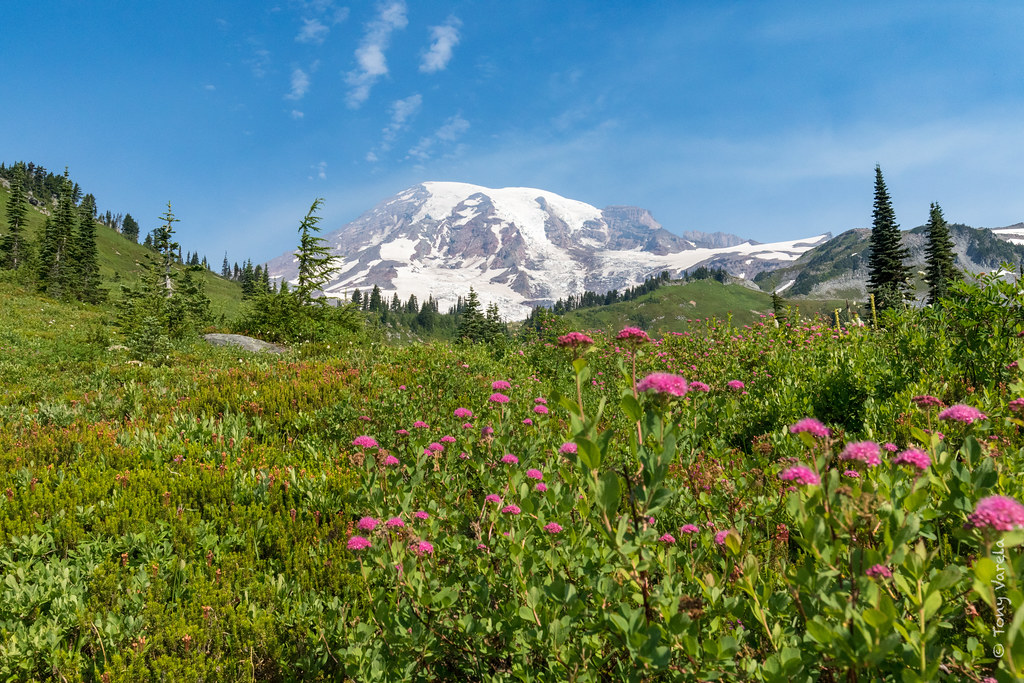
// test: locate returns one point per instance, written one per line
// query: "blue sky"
(764, 119)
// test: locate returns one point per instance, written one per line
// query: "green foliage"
(315, 261)
(15, 248)
(192, 517)
(940, 270)
(888, 277)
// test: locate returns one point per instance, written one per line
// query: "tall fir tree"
(940, 268)
(164, 244)
(56, 258)
(14, 245)
(225, 268)
(315, 261)
(129, 228)
(472, 323)
(888, 277)
(87, 266)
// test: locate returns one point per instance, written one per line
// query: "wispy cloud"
(444, 39)
(300, 85)
(296, 114)
(312, 31)
(370, 54)
(259, 62)
(319, 171)
(402, 111)
(451, 131)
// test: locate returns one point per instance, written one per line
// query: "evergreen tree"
(376, 300)
(315, 261)
(129, 227)
(164, 244)
(225, 268)
(412, 306)
(357, 298)
(778, 306)
(493, 326)
(472, 324)
(86, 254)
(940, 270)
(888, 277)
(14, 245)
(56, 259)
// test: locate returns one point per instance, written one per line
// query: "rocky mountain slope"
(519, 247)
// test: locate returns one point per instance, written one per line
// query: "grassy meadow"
(542, 509)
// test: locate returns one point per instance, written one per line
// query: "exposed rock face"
(243, 342)
(517, 247)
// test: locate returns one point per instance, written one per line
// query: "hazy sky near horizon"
(763, 119)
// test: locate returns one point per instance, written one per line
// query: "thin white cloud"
(300, 85)
(296, 114)
(444, 39)
(312, 31)
(452, 129)
(319, 171)
(402, 111)
(370, 58)
(209, 86)
(371, 157)
(259, 62)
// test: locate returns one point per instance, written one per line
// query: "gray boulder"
(247, 343)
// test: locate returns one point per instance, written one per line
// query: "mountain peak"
(516, 246)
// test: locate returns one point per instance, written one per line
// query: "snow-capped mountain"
(517, 247)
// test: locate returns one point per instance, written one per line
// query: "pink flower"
(997, 512)
(364, 418)
(364, 442)
(668, 539)
(486, 430)
(500, 385)
(510, 459)
(463, 413)
(422, 548)
(852, 474)
(394, 523)
(540, 399)
(528, 422)
(447, 438)
(926, 401)
(421, 514)
(567, 448)
(574, 340)
(866, 452)
(891, 447)
(463, 455)
(633, 334)
(367, 523)
(913, 457)
(541, 487)
(435, 446)
(499, 398)
(467, 425)
(663, 383)
(689, 529)
(511, 510)
(879, 570)
(493, 498)
(553, 528)
(535, 474)
(962, 413)
(699, 386)
(420, 424)
(540, 409)
(721, 536)
(358, 543)
(1017, 405)
(402, 432)
(811, 426)
(390, 461)
(401, 387)
(735, 385)
(800, 475)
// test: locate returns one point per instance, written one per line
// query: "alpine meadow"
(590, 342)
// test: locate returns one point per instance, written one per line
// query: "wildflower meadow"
(781, 501)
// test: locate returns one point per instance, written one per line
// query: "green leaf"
(631, 407)
(819, 632)
(877, 618)
(609, 493)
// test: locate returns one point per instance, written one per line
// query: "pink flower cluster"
(800, 475)
(913, 457)
(735, 385)
(811, 426)
(866, 452)
(463, 413)
(500, 385)
(926, 401)
(574, 340)
(962, 413)
(699, 386)
(510, 459)
(535, 474)
(499, 398)
(367, 523)
(663, 383)
(358, 543)
(689, 529)
(633, 334)
(879, 570)
(997, 512)
(567, 448)
(553, 528)
(364, 442)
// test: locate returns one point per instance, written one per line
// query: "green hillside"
(677, 307)
(122, 261)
